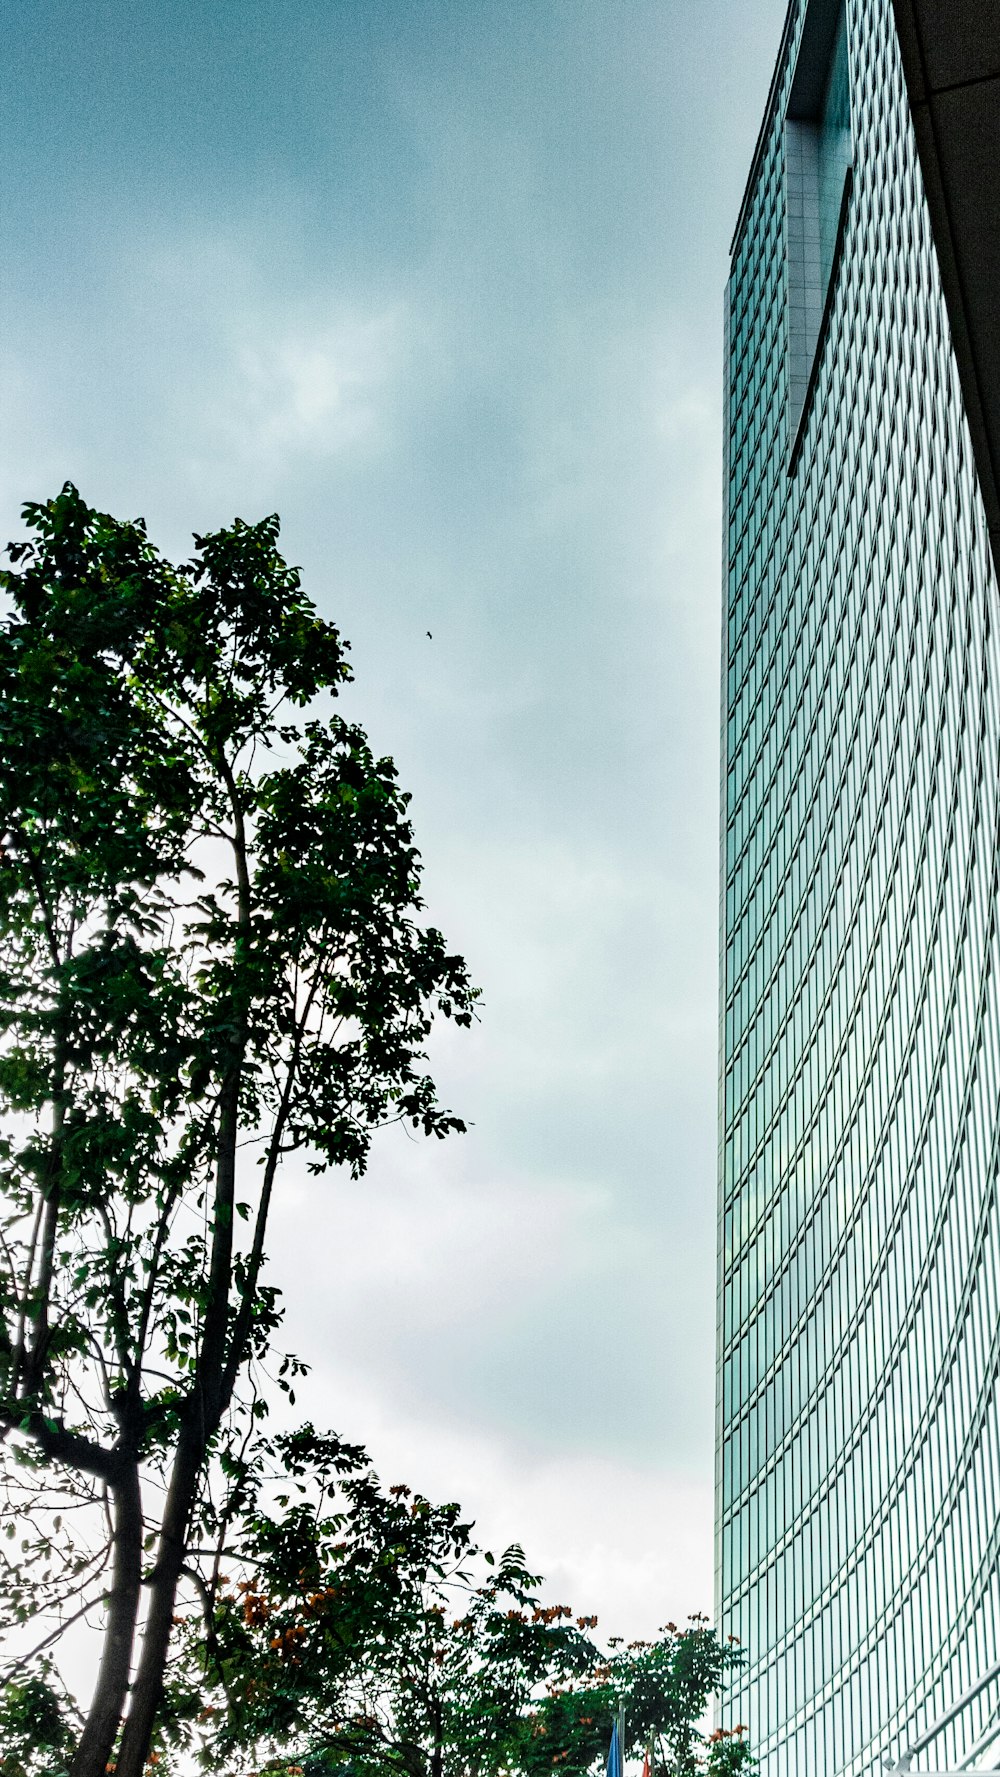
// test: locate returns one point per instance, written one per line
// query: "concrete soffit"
(951, 60)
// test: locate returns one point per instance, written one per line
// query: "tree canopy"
(344, 1626)
(210, 958)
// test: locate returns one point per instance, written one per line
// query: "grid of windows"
(858, 1477)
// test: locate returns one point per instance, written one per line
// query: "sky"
(440, 281)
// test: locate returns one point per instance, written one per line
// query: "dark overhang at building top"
(951, 59)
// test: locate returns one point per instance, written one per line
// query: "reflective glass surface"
(858, 1482)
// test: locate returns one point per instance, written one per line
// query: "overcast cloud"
(441, 282)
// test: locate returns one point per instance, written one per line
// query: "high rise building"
(858, 1473)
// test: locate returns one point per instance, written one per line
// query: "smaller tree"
(36, 1739)
(662, 1688)
(349, 1627)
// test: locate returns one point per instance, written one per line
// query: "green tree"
(36, 1739)
(210, 957)
(347, 1627)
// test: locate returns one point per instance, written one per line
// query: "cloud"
(225, 385)
(316, 391)
(261, 382)
(593, 959)
(607, 1533)
(541, 1277)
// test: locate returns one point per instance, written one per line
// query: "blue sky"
(441, 282)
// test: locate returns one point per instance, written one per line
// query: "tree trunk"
(198, 1427)
(147, 1689)
(108, 1703)
(205, 1404)
(437, 1747)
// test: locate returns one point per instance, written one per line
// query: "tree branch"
(60, 1629)
(244, 1319)
(61, 1445)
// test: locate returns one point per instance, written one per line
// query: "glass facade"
(858, 1482)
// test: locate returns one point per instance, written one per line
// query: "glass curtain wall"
(858, 1482)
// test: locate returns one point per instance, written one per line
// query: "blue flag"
(615, 1754)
